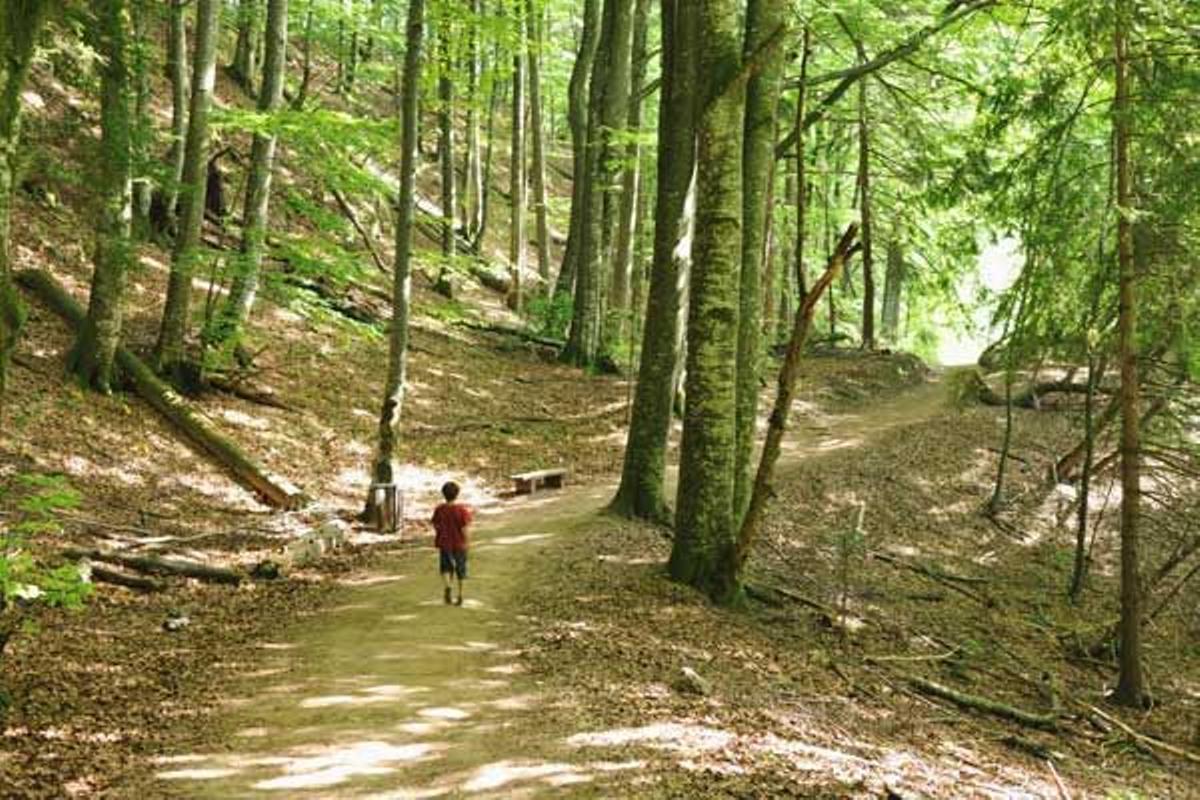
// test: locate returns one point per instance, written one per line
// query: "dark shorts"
(453, 561)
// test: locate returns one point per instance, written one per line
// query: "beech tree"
(93, 356)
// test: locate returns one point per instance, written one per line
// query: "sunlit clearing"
(445, 713)
(665, 735)
(198, 774)
(339, 765)
(505, 541)
(502, 773)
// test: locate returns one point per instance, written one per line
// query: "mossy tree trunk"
(20, 23)
(864, 199)
(516, 172)
(472, 194)
(143, 130)
(641, 493)
(620, 294)
(384, 468)
(227, 327)
(535, 29)
(1131, 687)
(766, 22)
(893, 286)
(608, 99)
(446, 139)
(94, 354)
(577, 119)
(177, 75)
(170, 355)
(245, 50)
(703, 550)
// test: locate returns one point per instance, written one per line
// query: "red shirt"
(450, 521)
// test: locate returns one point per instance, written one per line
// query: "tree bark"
(170, 355)
(144, 124)
(864, 198)
(384, 470)
(703, 551)
(608, 100)
(230, 320)
(446, 140)
(893, 286)
(802, 169)
(762, 492)
(20, 23)
(535, 24)
(622, 272)
(577, 119)
(1130, 689)
(516, 174)
(273, 490)
(177, 74)
(245, 50)
(766, 26)
(306, 68)
(93, 355)
(641, 493)
(472, 199)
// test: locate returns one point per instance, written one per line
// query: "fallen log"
(1045, 722)
(363, 233)
(248, 392)
(138, 583)
(203, 435)
(1143, 739)
(519, 333)
(160, 566)
(946, 579)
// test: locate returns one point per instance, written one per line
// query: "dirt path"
(395, 695)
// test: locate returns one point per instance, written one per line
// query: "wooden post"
(388, 505)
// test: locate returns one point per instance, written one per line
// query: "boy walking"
(450, 523)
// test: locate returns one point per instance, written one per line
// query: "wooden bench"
(529, 482)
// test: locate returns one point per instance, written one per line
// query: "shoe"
(446, 596)
(458, 602)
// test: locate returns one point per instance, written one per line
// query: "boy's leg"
(460, 572)
(446, 568)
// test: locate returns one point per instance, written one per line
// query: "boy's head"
(450, 491)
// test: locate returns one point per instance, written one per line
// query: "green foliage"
(21, 576)
(549, 316)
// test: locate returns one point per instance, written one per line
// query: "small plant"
(549, 316)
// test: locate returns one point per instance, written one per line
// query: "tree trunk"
(170, 355)
(1079, 573)
(608, 101)
(1131, 684)
(864, 198)
(801, 188)
(893, 286)
(256, 208)
(306, 68)
(766, 25)
(446, 140)
(622, 272)
(485, 202)
(703, 551)
(273, 490)
(788, 375)
(20, 23)
(641, 493)
(535, 26)
(93, 355)
(516, 174)
(577, 119)
(384, 470)
(144, 124)
(245, 50)
(177, 74)
(472, 199)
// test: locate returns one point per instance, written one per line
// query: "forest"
(821, 379)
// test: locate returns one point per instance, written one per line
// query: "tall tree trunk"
(93, 356)
(169, 351)
(607, 109)
(256, 207)
(306, 70)
(766, 22)
(703, 551)
(485, 202)
(641, 493)
(20, 23)
(577, 119)
(1079, 573)
(516, 173)
(141, 11)
(801, 188)
(622, 272)
(535, 25)
(893, 285)
(177, 74)
(245, 50)
(446, 138)
(384, 468)
(472, 199)
(1130, 684)
(864, 198)
(788, 375)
